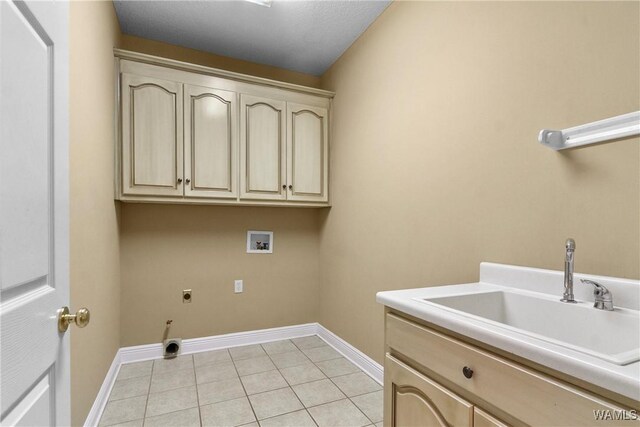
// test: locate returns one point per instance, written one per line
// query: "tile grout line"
(195, 380)
(109, 399)
(304, 408)
(336, 385)
(170, 390)
(354, 403)
(130, 397)
(144, 416)
(329, 378)
(242, 385)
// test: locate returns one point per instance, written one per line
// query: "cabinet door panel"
(262, 148)
(210, 142)
(482, 419)
(307, 136)
(151, 136)
(413, 400)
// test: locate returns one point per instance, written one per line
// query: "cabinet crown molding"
(216, 72)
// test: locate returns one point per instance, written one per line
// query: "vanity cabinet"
(426, 384)
(192, 134)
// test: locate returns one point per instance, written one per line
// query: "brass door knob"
(81, 318)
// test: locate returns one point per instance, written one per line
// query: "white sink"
(517, 310)
(613, 336)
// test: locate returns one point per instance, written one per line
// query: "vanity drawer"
(533, 398)
(412, 399)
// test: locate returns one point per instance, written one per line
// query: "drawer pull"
(467, 372)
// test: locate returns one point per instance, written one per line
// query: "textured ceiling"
(304, 36)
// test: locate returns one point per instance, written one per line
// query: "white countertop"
(622, 379)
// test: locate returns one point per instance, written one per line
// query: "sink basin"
(613, 336)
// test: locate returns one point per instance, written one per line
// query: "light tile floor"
(299, 382)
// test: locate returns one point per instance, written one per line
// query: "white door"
(263, 153)
(152, 136)
(210, 142)
(34, 279)
(307, 152)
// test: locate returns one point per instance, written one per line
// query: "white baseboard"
(197, 345)
(103, 394)
(361, 360)
(141, 353)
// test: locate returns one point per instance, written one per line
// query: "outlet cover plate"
(187, 296)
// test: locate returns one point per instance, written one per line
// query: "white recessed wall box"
(259, 242)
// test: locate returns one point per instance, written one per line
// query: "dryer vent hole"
(172, 349)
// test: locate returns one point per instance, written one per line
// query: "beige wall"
(129, 263)
(95, 262)
(168, 248)
(199, 57)
(435, 168)
(435, 160)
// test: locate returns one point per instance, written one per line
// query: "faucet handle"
(603, 298)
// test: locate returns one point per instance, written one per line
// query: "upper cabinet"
(191, 134)
(210, 143)
(263, 151)
(151, 136)
(307, 153)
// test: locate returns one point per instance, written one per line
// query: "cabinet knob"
(179, 180)
(467, 372)
(187, 180)
(290, 187)
(284, 186)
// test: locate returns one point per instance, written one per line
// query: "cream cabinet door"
(151, 136)
(482, 419)
(211, 140)
(308, 151)
(262, 148)
(413, 400)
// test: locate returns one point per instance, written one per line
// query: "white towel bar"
(591, 133)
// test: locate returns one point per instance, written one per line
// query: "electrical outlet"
(187, 296)
(238, 286)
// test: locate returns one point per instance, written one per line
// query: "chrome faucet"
(567, 296)
(603, 298)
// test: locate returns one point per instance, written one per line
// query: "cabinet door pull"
(467, 372)
(284, 186)
(187, 180)
(290, 187)
(179, 180)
